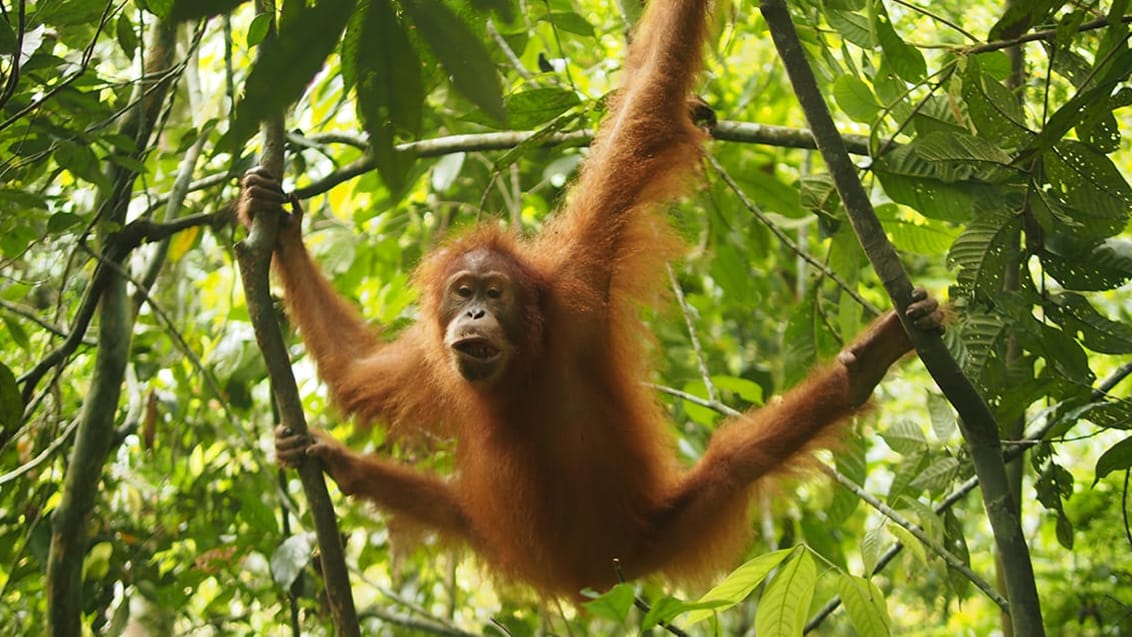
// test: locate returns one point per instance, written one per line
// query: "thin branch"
(254, 257)
(786, 240)
(17, 57)
(118, 246)
(27, 313)
(917, 532)
(43, 456)
(516, 63)
(1048, 34)
(698, 351)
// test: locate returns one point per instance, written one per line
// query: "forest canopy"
(138, 488)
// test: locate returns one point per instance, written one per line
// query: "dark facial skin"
(481, 316)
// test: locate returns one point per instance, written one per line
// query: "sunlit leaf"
(738, 584)
(614, 604)
(865, 605)
(782, 608)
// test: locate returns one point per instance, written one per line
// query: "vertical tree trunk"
(70, 520)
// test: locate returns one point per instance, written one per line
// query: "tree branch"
(254, 257)
(976, 420)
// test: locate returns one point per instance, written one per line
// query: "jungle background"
(138, 492)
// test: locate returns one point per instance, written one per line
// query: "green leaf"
(1088, 266)
(60, 222)
(81, 161)
(1080, 107)
(866, 606)
(387, 76)
(1117, 458)
(258, 29)
(11, 403)
(748, 390)
(944, 421)
(1019, 15)
(855, 98)
(937, 190)
(8, 39)
(905, 59)
(873, 547)
(783, 607)
(570, 22)
(993, 108)
(535, 107)
(287, 63)
(96, 564)
(17, 332)
(738, 584)
(614, 604)
(905, 437)
(983, 253)
(462, 54)
(662, 610)
(194, 9)
(127, 36)
(1088, 188)
(938, 476)
(1077, 316)
(852, 26)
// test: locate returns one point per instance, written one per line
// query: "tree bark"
(95, 433)
(254, 255)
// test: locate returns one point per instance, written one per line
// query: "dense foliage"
(137, 488)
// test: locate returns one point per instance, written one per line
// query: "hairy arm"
(643, 154)
(771, 439)
(361, 371)
(425, 499)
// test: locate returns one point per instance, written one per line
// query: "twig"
(687, 311)
(786, 240)
(917, 532)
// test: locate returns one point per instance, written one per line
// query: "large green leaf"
(538, 106)
(288, 62)
(1100, 334)
(865, 604)
(1087, 265)
(983, 254)
(938, 190)
(1084, 106)
(1117, 458)
(783, 607)
(852, 26)
(903, 58)
(461, 52)
(1086, 190)
(738, 584)
(993, 108)
(386, 72)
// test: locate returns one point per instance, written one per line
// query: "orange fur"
(571, 465)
